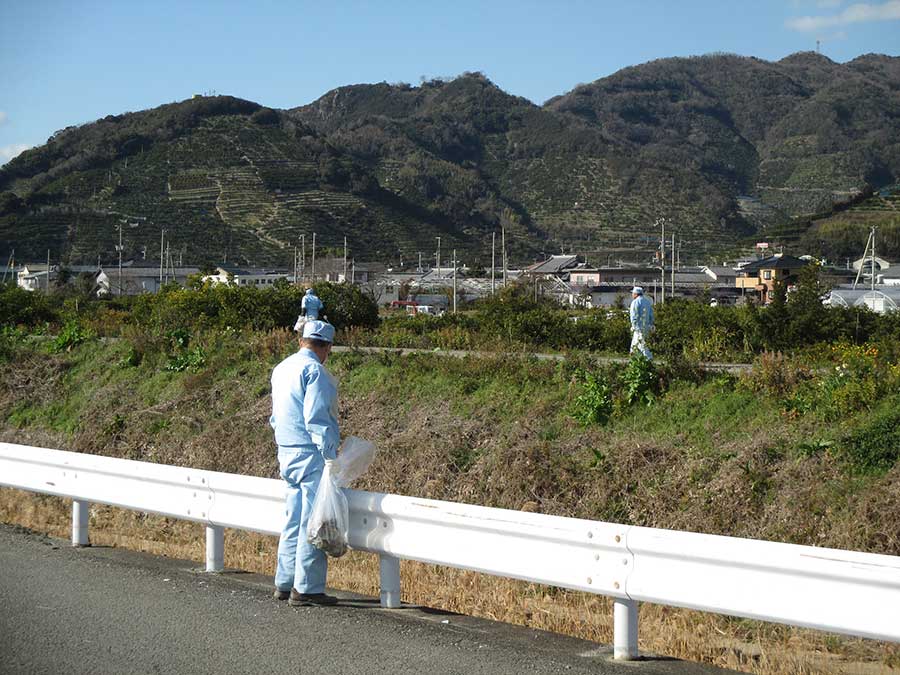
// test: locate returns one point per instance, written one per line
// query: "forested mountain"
(725, 147)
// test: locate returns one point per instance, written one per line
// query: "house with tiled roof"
(760, 276)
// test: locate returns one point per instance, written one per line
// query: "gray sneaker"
(309, 599)
(281, 595)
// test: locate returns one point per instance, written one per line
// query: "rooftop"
(778, 261)
(553, 265)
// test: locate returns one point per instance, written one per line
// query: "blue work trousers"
(300, 564)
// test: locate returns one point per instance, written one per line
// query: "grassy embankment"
(759, 457)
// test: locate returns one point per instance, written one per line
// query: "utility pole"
(673, 265)
(162, 239)
(353, 272)
(503, 251)
(662, 259)
(10, 266)
(47, 288)
(873, 263)
(438, 256)
(119, 249)
(345, 260)
(454, 281)
(419, 268)
(869, 241)
(314, 257)
(493, 254)
(302, 255)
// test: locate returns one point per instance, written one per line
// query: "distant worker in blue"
(310, 307)
(641, 313)
(304, 417)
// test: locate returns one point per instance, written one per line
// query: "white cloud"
(859, 13)
(7, 152)
(821, 4)
(3, 117)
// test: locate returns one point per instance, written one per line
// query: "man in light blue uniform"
(641, 313)
(310, 306)
(304, 417)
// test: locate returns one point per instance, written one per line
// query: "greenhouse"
(881, 300)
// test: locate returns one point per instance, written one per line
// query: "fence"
(842, 591)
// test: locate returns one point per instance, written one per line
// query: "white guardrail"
(841, 591)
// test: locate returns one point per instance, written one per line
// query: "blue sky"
(68, 62)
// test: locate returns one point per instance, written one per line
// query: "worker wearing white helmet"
(641, 313)
(304, 418)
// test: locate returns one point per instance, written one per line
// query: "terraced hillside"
(230, 184)
(842, 235)
(726, 148)
(787, 140)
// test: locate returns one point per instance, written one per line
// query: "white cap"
(318, 330)
(637, 290)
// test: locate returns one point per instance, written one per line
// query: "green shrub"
(345, 305)
(594, 405)
(237, 307)
(19, 307)
(639, 380)
(875, 447)
(775, 374)
(697, 331)
(11, 339)
(855, 378)
(191, 359)
(600, 331)
(71, 335)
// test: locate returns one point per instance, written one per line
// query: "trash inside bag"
(353, 461)
(330, 517)
(329, 521)
(298, 326)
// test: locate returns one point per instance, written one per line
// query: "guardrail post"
(390, 581)
(625, 629)
(215, 548)
(81, 511)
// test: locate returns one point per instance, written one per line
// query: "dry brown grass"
(749, 646)
(218, 419)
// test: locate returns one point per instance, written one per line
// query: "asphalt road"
(106, 610)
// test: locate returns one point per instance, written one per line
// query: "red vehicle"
(400, 304)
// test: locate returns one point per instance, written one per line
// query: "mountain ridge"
(724, 146)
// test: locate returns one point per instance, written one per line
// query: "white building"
(33, 277)
(250, 277)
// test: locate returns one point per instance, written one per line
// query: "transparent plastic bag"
(353, 461)
(329, 521)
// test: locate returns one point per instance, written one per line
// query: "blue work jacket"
(304, 404)
(311, 306)
(641, 314)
